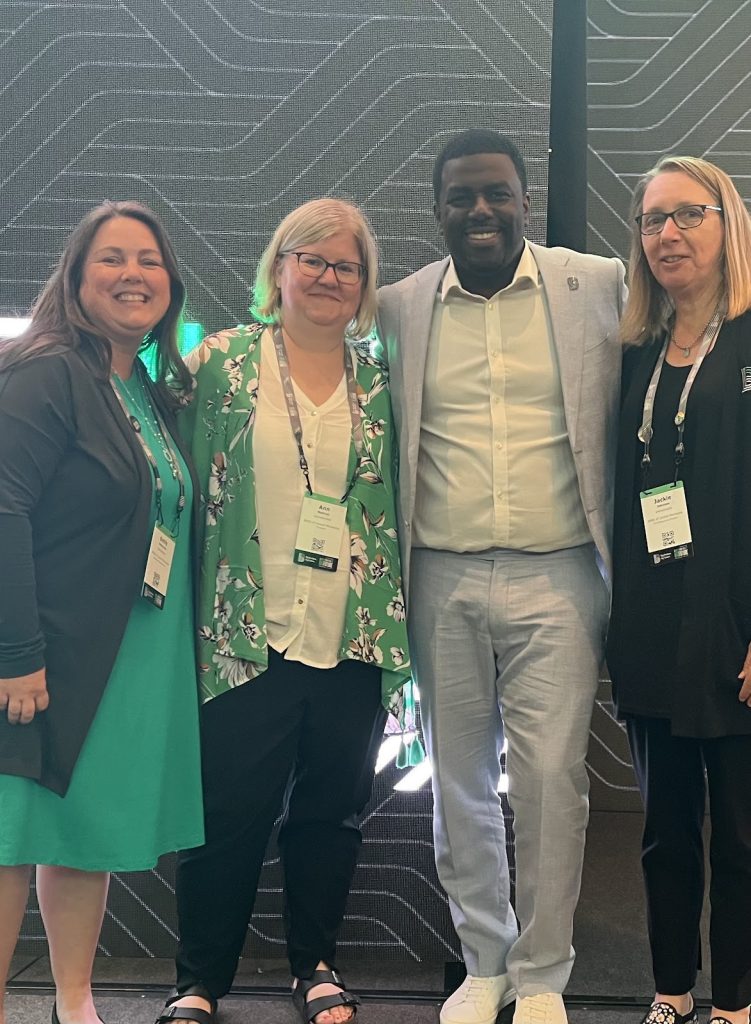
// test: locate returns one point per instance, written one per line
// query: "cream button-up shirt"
(495, 468)
(305, 607)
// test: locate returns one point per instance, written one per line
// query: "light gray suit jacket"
(585, 297)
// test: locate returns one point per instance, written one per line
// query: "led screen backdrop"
(665, 76)
(223, 115)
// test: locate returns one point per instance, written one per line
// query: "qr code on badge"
(317, 544)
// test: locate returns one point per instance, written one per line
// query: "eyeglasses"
(311, 265)
(684, 217)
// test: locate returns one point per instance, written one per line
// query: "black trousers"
(671, 775)
(299, 740)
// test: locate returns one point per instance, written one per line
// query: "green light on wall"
(188, 336)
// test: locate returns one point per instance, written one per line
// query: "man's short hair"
(474, 141)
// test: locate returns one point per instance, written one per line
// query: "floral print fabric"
(231, 621)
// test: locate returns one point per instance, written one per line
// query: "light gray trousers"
(509, 642)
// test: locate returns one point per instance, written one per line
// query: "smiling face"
(321, 302)
(687, 263)
(125, 288)
(482, 213)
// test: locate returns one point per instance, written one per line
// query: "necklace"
(135, 390)
(685, 350)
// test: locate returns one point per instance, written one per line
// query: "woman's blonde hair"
(313, 222)
(649, 307)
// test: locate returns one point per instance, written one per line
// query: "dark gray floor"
(142, 1009)
(610, 938)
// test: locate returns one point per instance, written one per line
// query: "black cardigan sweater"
(75, 522)
(713, 618)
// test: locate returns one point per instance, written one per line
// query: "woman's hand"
(745, 674)
(23, 696)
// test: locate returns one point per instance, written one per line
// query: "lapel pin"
(573, 283)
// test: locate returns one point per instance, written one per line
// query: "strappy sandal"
(308, 1010)
(173, 1012)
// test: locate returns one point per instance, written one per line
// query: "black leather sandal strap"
(321, 1003)
(309, 1009)
(174, 1012)
(194, 990)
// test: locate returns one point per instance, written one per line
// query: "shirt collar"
(525, 276)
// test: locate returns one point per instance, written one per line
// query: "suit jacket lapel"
(416, 315)
(566, 296)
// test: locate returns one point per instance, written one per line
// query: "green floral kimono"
(232, 625)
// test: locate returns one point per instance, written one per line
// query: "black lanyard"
(170, 454)
(294, 412)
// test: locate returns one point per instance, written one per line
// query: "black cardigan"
(75, 521)
(714, 629)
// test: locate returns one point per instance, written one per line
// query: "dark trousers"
(299, 740)
(671, 775)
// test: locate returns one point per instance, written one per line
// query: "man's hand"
(23, 696)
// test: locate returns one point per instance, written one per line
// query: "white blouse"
(304, 607)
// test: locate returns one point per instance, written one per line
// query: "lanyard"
(169, 453)
(294, 412)
(645, 432)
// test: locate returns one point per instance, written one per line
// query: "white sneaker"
(478, 1000)
(547, 1008)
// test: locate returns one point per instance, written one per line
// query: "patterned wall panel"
(223, 115)
(665, 76)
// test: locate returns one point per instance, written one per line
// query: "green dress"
(136, 788)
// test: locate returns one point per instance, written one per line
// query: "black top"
(656, 615)
(75, 520)
(679, 632)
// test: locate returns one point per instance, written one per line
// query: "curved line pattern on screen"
(223, 115)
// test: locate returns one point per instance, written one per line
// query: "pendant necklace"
(685, 350)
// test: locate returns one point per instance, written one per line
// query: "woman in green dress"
(97, 673)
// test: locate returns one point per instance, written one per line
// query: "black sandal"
(309, 1010)
(172, 1011)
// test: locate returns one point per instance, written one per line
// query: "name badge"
(319, 536)
(666, 523)
(158, 566)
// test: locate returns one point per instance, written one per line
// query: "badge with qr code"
(323, 521)
(158, 566)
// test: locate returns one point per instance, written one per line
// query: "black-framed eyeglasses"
(684, 217)
(345, 271)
